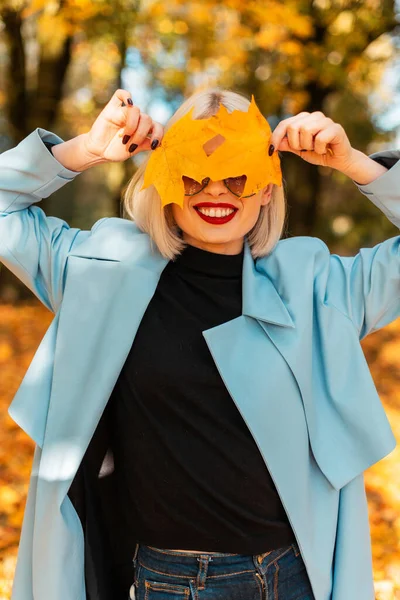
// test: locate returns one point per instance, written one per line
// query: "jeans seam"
(257, 577)
(136, 575)
(296, 550)
(153, 585)
(276, 581)
(281, 555)
(165, 574)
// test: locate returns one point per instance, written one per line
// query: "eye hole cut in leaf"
(245, 151)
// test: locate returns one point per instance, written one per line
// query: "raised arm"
(32, 245)
(366, 287)
(35, 246)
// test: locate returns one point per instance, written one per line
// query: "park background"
(60, 63)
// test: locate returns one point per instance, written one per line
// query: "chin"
(218, 238)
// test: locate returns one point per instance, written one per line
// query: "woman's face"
(224, 238)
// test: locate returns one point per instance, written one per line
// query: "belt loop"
(135, 554)
(204, 560)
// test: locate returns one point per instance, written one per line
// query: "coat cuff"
(49, 139)
(384, 191)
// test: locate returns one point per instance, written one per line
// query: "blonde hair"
(145, 208)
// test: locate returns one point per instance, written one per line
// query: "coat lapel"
(104, 302)
(346, 424)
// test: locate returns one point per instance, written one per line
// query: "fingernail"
(133, 147)
(125, 139)
(130, 101)
(271, 149)
(123, 103)
(154, 144)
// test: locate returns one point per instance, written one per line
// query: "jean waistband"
(172, 561)
(192, 552)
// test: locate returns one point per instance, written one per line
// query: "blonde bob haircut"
(144, 207)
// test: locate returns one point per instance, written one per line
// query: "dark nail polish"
(123, 103)
(133, 147)
(154, 144)
(126, 139)
(271, 149)
(130, 101)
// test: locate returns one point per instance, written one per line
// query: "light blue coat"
(292, 363)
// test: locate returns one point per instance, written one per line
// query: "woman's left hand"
(316, 139)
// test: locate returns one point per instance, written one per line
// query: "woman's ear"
(266, 194)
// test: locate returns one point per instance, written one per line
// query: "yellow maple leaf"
(180, 153)
(243, 152)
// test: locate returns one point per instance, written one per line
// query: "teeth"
(219, 212)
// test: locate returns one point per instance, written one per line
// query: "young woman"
(201, 407)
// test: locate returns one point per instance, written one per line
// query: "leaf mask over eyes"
(243, 152)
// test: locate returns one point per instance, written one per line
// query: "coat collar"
(261, 300)
(260, 297)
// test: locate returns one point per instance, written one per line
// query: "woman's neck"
(230, 247)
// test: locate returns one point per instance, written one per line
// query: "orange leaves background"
(21, 330)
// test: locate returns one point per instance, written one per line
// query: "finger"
(320, 147)
(301, 132)
(293, 136)
(309, 129)
(293, 124)
(154, 138)
(131, 125)
(156, 134)
(333, 135)
(280, 130)
(121, 98)
(285, 146)
(142, 129)
(117, 109)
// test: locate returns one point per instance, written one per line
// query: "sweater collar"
(205, 262)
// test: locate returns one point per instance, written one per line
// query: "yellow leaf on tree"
(243, 152)
(8, 498)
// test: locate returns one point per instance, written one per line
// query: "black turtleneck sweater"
(189, 472)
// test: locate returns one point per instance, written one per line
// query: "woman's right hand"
(117, 123)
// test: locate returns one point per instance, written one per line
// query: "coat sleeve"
(34, 246)
(366, 287)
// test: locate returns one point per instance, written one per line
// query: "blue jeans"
(161, 574)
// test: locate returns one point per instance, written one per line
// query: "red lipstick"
(215, 220)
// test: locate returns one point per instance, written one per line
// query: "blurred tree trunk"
(26, 111)
(49, 91)
(17, 107)
(304, 180)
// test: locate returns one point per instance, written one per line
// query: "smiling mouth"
(216, 214)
